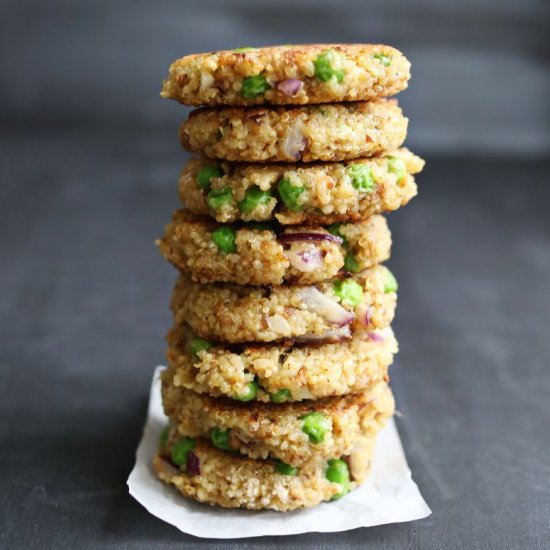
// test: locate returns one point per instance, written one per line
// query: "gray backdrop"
(480, 84)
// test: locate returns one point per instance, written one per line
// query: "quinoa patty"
(279, 430)
(320, 193)
(284, 75)
(253, 255)
(253, 371)
(311, 133)
(327, 311)
(213, 476)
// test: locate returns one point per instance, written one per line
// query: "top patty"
(288, 75)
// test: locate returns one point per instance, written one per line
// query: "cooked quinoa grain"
(284, 75)
(264, 256)
(327, 311)
(267, 430)
(208, 474)
(318, 132)
(217, 477)
(329, 194)
(295, 371)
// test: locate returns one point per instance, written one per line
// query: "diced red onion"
(364, 313)
(294, 143)
(279, 324)
(376, 337)
(293, 237)
(305, 260)
(170, 466)
(193, 465)
(326, 307)
(206, 81)
(290, 86)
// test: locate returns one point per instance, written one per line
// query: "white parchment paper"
(388, 496)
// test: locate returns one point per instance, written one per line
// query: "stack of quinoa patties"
(277, 381)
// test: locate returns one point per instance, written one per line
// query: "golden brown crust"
(216, 78)
(311, 133)
(305, 372)
(263, 257)
(329, 194)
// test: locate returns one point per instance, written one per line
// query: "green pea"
(289, 194)
(180, 450)
(384, 59)
(254, 86)
(397, 166)
(249, 393)
(280, 396)
(198, 344)
(224, 238)
(163, 438)
(351, 264)
(253, 197)
(206, 174)
(285, 469)
(315, 426)
(349, 291)
(220, 438)
(361, 177)
(244, 49)
(217, 198)
(323, 67)
(338, 472)
(390, 284)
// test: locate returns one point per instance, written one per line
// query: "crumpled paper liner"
(388, 496)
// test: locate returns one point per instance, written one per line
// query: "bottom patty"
(201, 472)
(292, 432)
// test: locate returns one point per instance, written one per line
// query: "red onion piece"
(294, 143)
(193, 465)
(290, 86)
(294, 237)
(279, 324)
(326, 307)
(364, 313)
(169, 466)
(375, 337)
(306, 260)
(207, 80)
